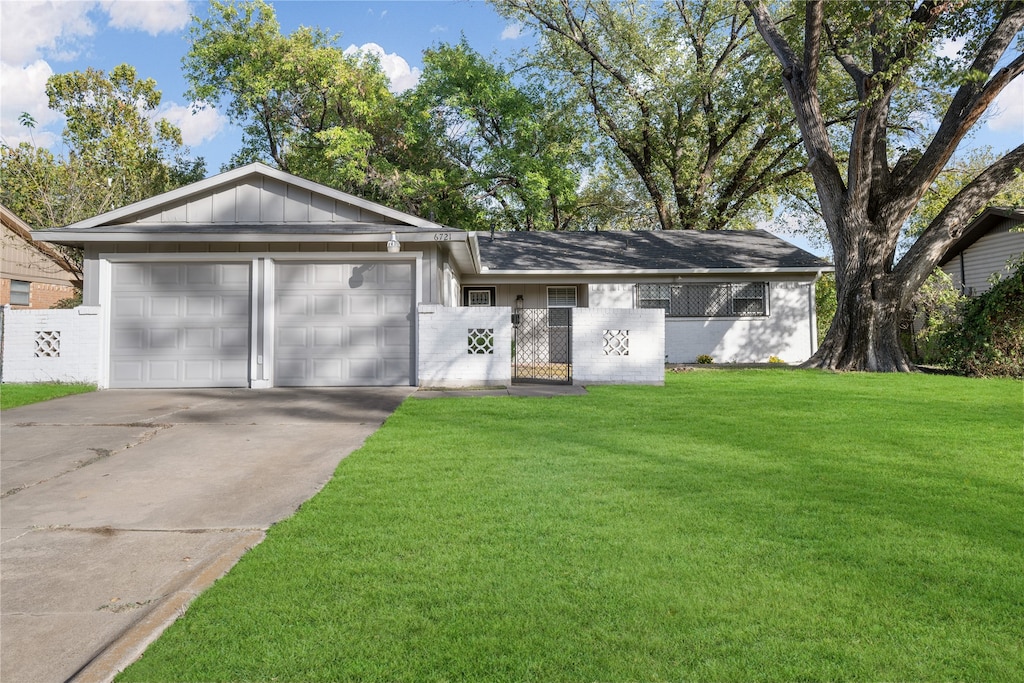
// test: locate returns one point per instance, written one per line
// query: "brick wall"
(41, 294)
(464, 346)
(60, 345)
(469, 346)
(618, 346)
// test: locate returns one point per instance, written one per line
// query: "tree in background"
(914, 109)
(519, 151)
(116, 153)
(309, 109)
(678, 89)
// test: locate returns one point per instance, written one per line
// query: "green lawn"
(730, 526)
(14, 395)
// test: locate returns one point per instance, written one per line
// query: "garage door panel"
(180, 325)
(345, 321)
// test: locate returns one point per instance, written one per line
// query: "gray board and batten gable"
(678, 251)
(254, 202)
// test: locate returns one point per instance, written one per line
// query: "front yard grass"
(751, 525)
(14, 395)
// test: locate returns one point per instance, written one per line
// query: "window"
(561, 301)
(706, 300)
(20, 292)
(478, 296)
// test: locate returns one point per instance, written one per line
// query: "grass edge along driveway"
(751, 525)
(14, 395)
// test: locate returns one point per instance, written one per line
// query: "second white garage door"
(343, 324)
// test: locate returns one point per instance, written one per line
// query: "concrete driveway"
(118, 507)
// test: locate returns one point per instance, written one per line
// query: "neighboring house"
(987, 244)
(257, 278)
(32, 274)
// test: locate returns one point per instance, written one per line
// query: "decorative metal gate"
(542, 351)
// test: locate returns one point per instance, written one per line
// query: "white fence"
(469, 346)
(51, 345)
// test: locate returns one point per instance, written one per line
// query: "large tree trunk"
(865, 332)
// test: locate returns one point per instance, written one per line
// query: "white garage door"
(343, 324)
(179, 325)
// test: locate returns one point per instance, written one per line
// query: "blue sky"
(40, 38)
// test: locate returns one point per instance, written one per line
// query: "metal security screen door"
(543, 346)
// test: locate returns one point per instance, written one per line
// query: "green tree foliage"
(309, 109)
(678, 88)
(989, 342)
(824, 303)
(116, 153)
(935, 312)
(519, 151)
(913, 109)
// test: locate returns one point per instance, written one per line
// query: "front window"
(706, 299)
(560, 302)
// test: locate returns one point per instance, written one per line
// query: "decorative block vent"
(48, 344)
(481, 340)
(616, 342)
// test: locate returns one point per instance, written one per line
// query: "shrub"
(936, 310)
(70, 302)
(990, 339)
(705, 359)
(776, 359)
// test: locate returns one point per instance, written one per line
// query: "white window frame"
(558, 299)
(486, 299)
(22, 294)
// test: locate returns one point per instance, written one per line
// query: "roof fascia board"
(68, 236)
(633, 272)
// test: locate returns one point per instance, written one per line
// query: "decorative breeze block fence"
(472, 346)
(51, 345)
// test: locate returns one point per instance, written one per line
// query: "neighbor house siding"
(971, 269)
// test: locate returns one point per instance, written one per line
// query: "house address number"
(442, 237)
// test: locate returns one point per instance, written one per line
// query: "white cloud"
(1008, 108)
(512, 31)
(28, 28)
(398, 71)
(153, 17)
(198, 124)
(25, 91)
(437, 28)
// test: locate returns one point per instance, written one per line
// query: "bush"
(989, 342)
(936, 310)
(776, 359)
(705, 359)
(70, 302)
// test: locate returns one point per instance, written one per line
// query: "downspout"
(963, 275)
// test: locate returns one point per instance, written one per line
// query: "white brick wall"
(444, 358)
(618, 346)
(633, 354)
(55, 345)
(788, 332)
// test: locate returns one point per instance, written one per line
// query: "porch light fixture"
(394, 246)
(520, 304)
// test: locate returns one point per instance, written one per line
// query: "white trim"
(69, 236)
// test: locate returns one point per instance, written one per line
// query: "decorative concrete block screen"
(472, 346)
(59, 345)
(464, 346)
(618, 346)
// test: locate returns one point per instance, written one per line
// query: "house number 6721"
(442, 237)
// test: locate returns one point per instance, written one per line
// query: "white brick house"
(257, 278)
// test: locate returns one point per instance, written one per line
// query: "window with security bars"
(706, 299)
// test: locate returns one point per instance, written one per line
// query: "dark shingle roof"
(652, 250)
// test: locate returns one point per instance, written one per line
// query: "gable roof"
(676, 251)
(255, 201)
(988, 220)
(57, 264)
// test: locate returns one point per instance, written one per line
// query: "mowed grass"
(749, 525)
(14, 395)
